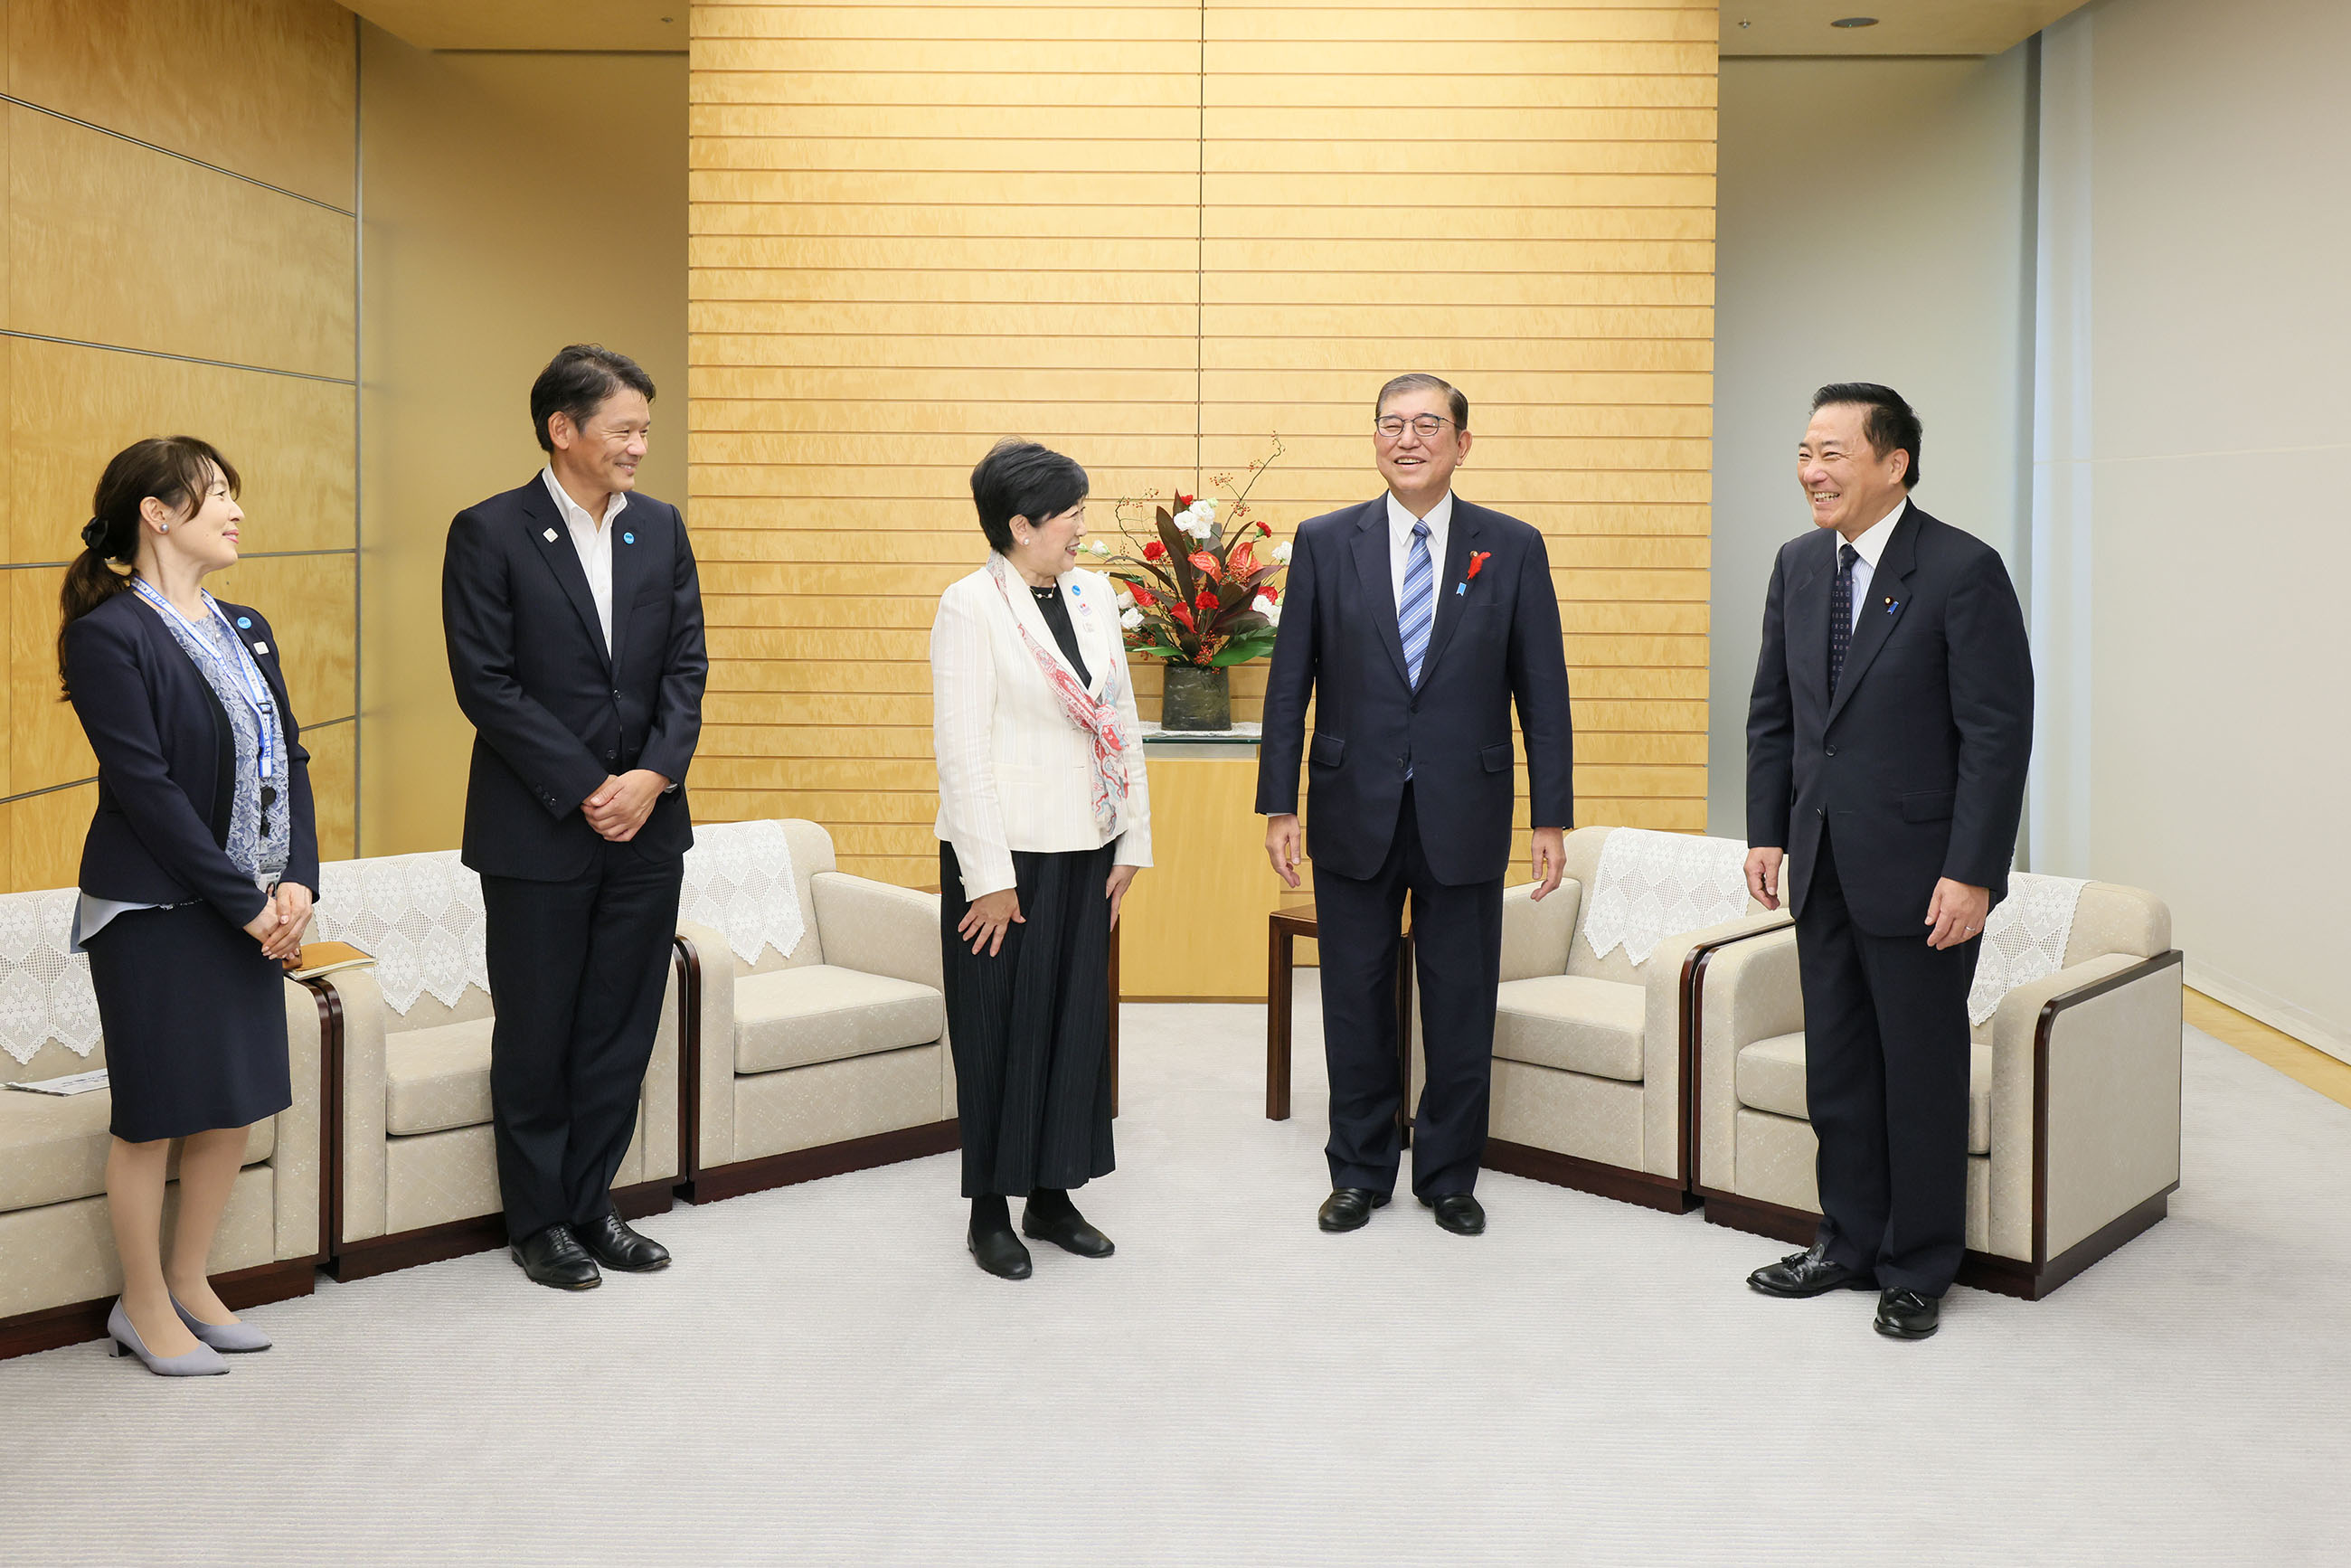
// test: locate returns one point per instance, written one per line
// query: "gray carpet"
(824, 1379)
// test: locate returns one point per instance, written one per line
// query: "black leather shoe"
(554, 1257)
(1459, 1212)
(1907, 1314)
(1000, 1252)
(1810, 1273)
(1350, 1209)
(1067, 1230)
(611, 1242)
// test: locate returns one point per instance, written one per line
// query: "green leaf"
(1241, 649)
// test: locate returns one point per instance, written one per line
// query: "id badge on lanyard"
(248, 680)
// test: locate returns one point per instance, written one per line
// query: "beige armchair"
(58, 1272)
(2073, 1103)
(416, 1171)
(831, 1058)
(1588, 1050)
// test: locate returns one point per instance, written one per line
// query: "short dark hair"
(1891, 425)
(1420, 380)
(1021, 479)
(577, 382)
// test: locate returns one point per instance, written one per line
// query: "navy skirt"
(194, 1014)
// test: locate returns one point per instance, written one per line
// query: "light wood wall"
(178, 259)
(1153, 236)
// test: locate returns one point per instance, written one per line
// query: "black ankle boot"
(993, 1246)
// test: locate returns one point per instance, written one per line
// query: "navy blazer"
(167, 762)
(554, 713)
(1495, 642)
(1918, 764)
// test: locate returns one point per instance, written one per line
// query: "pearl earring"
(163, 527)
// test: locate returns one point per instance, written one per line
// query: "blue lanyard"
(248, 675)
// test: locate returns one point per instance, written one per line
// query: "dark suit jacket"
(1917, 764)
(1340, 645)
(167, 763)
(553, 713)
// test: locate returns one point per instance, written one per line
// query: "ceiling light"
(1854, 22)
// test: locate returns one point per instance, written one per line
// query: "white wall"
(2194, 515)
(1875, 226)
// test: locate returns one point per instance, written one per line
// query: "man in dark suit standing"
(1886, 744)
(574, 623)
(1414, 621)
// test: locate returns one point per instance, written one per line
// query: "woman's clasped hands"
(281, 922)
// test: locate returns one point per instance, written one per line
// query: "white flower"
(1270, 608)
(1132, 618)
(1098, 547)
(1282, 553)
(1125, 598)
(1185, 520)
(1206, 508)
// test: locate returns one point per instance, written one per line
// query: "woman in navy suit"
(196, 879)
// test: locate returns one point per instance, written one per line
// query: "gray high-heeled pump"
(202, 1362)
(236, 1339)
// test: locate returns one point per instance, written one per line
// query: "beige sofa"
(2073, 1100)
(416, 1175)
(1588, 1050)
(59, 1273)
(831, 1058)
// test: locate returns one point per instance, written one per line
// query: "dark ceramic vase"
(1196, 699)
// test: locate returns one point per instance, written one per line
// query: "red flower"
(1155, 550)
(1205, 564)
(1271, 593)
(1241, 561)
(1141, 595)
(1476, 563)
(1182, 500)
(1183, 616)
(1205, 602)
(1264, 531)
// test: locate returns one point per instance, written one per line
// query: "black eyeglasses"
(1424, 424)
(269, 799)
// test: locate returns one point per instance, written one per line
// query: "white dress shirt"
(1400, 521)
(593, 540)
(1014, 772)
(1867, 551)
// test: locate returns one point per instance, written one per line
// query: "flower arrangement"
(1199, 591)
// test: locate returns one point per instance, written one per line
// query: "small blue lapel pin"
(628, 538)
(1460, 588)
(1892, 605)
(245, 622)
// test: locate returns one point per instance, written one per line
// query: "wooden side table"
(1283, 928)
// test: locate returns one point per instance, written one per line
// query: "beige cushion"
(53, 1147)
(792, 1017)
(1574, 1022)
(1771, 1078)
(435, 1078)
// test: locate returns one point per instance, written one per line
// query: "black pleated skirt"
(1030, 1027)
(194, 1014)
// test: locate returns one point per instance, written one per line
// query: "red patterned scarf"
(1098, 718)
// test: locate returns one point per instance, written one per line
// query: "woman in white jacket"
(1044, 818)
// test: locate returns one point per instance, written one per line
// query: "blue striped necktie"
(1418, 612)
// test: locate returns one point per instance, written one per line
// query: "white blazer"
(1014, 772)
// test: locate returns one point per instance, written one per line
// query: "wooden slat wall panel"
(1154, 235)
(916, 229)
(1528, 213)
(227, 237)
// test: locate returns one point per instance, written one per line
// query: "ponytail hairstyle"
(177, 470)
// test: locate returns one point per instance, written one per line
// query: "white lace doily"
(738, 880)
(1650, 887)
(44, 992)
(419, 916)
(2024, 938)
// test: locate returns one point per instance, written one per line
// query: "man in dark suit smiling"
(574, 621)
(1886, 744)
(1414, 621)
